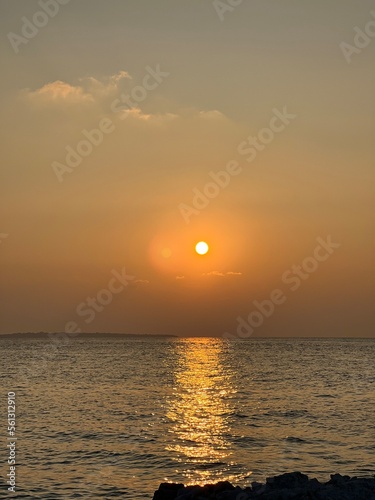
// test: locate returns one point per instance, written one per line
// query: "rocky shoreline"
(293, 485)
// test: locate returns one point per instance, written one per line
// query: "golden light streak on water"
(199, 411)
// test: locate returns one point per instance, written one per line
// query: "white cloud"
(59, 91)
(90, 89)
(99, 94)
(96, 94)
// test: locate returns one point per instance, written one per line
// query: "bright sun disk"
(201, 248)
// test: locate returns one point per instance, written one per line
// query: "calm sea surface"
(112, 418)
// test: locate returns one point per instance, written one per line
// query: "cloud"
(112, 96)
(88, 90)
(212, 114)
(109, 85)
(213, 273)
(218, 273)
(138, 114)
(180, 278)
(59, 91)
(141, 282)
(100, 94)
(119, 76)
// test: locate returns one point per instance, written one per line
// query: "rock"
(289, 480)
(167, 491)
(338, 479)
(313, 484)
(223, 486)
(289, 486)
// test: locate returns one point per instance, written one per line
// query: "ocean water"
(112, 418)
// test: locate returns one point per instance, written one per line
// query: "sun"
(201, 248)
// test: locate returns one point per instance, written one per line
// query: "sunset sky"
(177, 88)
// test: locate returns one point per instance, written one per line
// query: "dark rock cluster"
(293, 485)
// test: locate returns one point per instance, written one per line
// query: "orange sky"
(132, 131)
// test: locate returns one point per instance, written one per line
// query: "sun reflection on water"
(199, 410)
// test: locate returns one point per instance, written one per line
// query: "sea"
(101, 417)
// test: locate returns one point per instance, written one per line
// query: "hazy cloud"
(89, 89)
(156, 119)
(219, 273)
(213, 114)
(141, 282)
